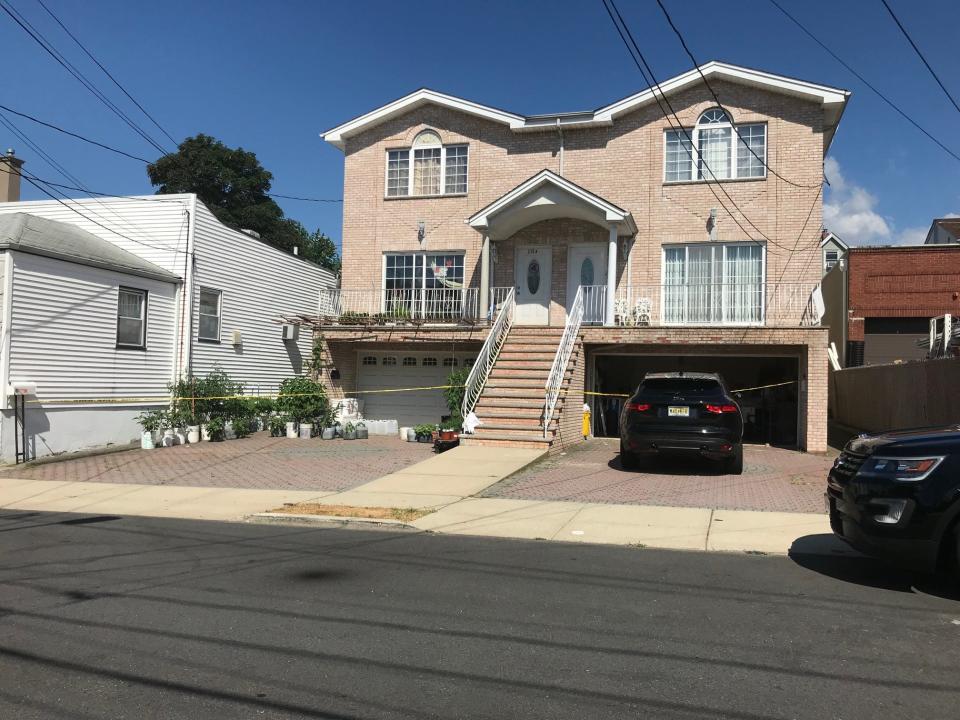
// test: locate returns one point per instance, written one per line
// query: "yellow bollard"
(586, 421)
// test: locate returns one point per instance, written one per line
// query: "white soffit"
(833, 100)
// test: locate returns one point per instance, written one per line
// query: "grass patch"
(376, 513)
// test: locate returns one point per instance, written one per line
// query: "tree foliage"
(235, 186)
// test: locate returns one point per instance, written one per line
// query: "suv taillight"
(638, 407)
(721, 409)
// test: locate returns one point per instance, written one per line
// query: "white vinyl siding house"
(70, 328)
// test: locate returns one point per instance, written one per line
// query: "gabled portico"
(548, 196)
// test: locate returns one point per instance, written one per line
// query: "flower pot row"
(306, 431)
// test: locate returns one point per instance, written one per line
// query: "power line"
(862, 79)
(69, 67)
(106, 72)
(72, 134)
(305, 199)
(651, 79)
(716, 98)
(920, 54)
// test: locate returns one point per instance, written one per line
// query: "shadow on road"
(808, 552)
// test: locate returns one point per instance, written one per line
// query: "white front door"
(532, 271)
(587, 267)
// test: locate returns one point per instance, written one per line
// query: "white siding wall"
(259, 284)
(155, 228)
(64, 324)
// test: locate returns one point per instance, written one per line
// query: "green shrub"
(424, 429)
(215, 427)
(152, 420)
(277, 425)
(303, 400)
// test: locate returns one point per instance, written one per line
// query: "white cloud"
(848, 210)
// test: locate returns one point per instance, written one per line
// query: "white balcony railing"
(429, 305)
(717, 304)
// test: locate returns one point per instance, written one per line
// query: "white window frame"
(694, 134)
(828, 263)
(686, 246)
(219, 315)
(142, 345)
(410, 173)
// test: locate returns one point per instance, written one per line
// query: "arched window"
(449, 362)
(714, 135)
(389, 360)
(429, 362)
(715, 149)
(369, 360)
(409, 361)
(438, 169)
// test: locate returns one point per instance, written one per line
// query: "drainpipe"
(485, 277)
(560, 132)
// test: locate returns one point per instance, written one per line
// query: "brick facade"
(901, 282)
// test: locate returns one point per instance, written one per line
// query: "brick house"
(593, 247)
(880, 300)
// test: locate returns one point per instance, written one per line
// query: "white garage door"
(390, 370)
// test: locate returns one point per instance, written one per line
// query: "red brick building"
(886, 297)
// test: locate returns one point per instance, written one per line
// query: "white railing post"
(555, 381)
(488, 354)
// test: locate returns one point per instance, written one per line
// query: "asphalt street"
(107, 617)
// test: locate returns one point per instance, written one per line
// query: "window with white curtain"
(132, 318)
(713, 284)
(715, 150)
(427, 168)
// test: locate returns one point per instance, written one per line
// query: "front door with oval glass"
(587, 268)
(532, 272)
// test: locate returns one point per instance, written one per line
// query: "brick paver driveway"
(259, 461)
(773, 479)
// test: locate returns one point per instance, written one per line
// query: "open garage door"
(770, 415)
(404, 369)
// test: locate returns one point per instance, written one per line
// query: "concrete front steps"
(511, 405)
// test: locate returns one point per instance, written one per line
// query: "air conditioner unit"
(291, 332)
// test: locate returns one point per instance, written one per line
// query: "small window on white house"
(210, 306)
(409, 362)
(449, 362)
(132, 318)
(389, 360)
(429, 362)
(427, 168)
(368, 360)
(830, 258)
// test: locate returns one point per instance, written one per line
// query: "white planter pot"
(306, 431)
(228, 433)
(404, 433)
(204, 433)
(180, 436)
(168, 438)
(193, 434)
(146, 440)
(292, 430)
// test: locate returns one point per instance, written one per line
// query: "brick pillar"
(817, 384)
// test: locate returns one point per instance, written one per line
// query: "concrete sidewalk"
(647, 526)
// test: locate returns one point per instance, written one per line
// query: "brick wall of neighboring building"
(901, 282)
(622, 163)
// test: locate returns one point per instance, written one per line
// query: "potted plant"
(424, 432)
(263, 408)
(302, 400)
(362, 432)
(306, 430)
(150, 422)
(167, 439)
(216, 428)
(178, 426)
(277, 424)
(349, 431)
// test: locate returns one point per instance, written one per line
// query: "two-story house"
(562, 256)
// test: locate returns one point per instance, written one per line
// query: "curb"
(269, 518)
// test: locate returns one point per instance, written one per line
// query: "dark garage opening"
(770, 414)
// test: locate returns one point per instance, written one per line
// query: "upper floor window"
(132, 318)
(830, 258)
(437, 169)
(715, 150)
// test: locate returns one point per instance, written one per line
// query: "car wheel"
(628, 461)
(735, 461)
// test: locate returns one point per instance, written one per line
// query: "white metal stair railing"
(488, 354)
(571, 332)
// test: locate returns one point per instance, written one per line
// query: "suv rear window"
(688, 387)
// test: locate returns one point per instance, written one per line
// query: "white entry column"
(611, 276)
(485, 278)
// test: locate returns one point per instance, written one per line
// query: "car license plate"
(674, 411)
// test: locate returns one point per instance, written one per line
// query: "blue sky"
(271, 76)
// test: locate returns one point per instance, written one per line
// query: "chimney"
(10, 166)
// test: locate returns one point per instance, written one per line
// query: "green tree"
(235, 186)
